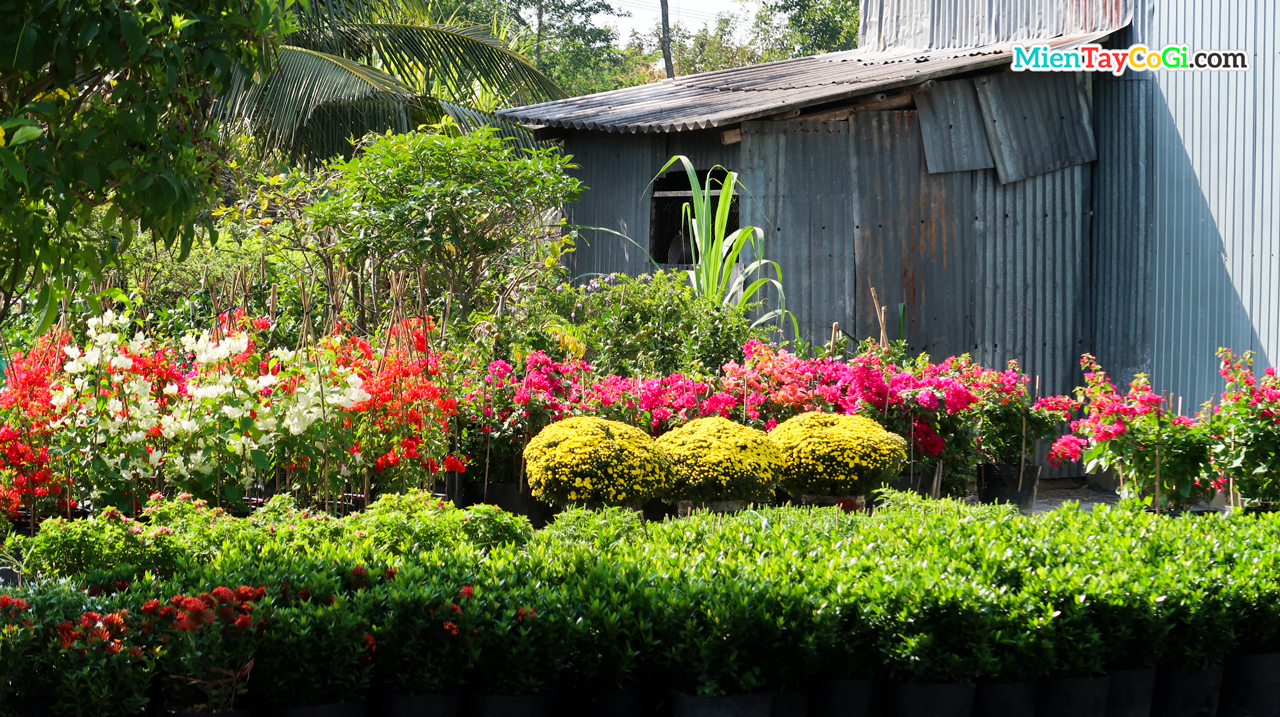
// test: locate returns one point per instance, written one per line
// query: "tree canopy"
(105, 105)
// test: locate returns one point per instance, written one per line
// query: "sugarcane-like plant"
(717, 252)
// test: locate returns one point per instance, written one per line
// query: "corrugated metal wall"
(617, 170)
(1188, 202)
(797, 189)
(936, 24)
(1000, 271)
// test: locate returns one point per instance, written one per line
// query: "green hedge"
(411, 596)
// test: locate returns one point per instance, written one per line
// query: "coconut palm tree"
(357, 66)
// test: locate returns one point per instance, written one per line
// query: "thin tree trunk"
(537, 48)
(666, 42)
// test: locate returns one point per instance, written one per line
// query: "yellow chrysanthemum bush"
(717, 459)
(834, 454)
(594, 462)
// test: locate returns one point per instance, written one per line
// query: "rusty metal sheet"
(797, 188)
(1037, 121)
(955, 137)
(912, 231)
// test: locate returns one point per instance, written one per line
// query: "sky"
(645, 14)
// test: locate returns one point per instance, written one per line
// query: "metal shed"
(1034, 216)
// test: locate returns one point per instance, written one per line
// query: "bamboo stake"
(884, 333)
(835, 330)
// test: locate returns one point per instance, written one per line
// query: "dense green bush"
(402, 598)
(651, 324)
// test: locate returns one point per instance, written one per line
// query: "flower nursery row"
(227, 417)
(190, 609)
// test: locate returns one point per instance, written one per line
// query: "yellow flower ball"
(594, 462)
(835, 454)
(717, 459)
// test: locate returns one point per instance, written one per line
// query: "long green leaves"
(717, 253)
(375, 65)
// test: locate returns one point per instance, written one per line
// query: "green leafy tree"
(444, 205)
(106, 104)
(357, 66)
(796, 28)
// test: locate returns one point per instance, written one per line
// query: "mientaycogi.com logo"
(1140, 58)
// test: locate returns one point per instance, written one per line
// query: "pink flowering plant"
(1158, 455)
(1006, 421)
(1245, 428)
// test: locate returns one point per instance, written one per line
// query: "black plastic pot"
(511, 706)
(414, 705)
(511, 498)
(33, 708)
(346, 709)
(1072, 696)
(623, 703)
(1129, 693)
(910, 700)
(842, 698)
(757, 705)
(1186, 693)
(790, 704)
(1010, 699)
(1001, 483)
(1251, 687)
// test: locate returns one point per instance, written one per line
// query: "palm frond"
(280, 104)
(423, 55)
(470, 120)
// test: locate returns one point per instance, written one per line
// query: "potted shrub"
(720, 464)
(1006, 426)
(210, 642)
(1246, 436)
(1077, 683)
(98, 667)
(519, 647)
(18, 640)
(829, 454)
(594, 462)
(424, 625)
(1251, 677)
(1158, 454)
(314, 656)
(936, 631)
(615, 644)
(733, 639)
(1022, 651)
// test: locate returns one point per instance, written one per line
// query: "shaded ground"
(1052, 498)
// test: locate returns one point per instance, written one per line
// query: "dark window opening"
(670, 240)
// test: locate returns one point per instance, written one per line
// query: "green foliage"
(630, 326)
(446, 205)
(764, 600)
(314, 652)
(809, 27)
(106, 104)
(424, 626)
(105, 548)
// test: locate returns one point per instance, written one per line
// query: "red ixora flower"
(467, 592)
(450, 627)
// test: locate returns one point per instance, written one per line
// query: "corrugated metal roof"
(725, 97)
